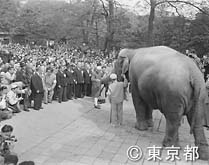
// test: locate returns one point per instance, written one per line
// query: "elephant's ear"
(125, 66)
(123, 60)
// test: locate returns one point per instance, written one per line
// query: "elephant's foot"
(169, 142)
(142, 126)
(203, 152)
(150, 123)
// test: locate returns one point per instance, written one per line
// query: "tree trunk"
(151, 23)
(110, 30)
(85, 33)
(88, 24)
(97, 34)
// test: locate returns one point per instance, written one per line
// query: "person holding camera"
(13, 100)
(7, 157)
(4, 112)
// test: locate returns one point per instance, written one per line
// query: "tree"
(176, 4)
(8, 12)
(109, 17)
(46, 20)
(200, 34)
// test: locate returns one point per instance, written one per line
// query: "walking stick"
(160, 122)
(110, 115)
(74, 90)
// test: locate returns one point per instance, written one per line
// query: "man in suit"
(61, 84)
(70, 82)
(37, 88)
(79, 80)
(87, 80)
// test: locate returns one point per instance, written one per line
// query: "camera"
(8, 141)
(11, 139)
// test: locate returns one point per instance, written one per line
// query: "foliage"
(8, 11)
(89, 21)
(200, 34)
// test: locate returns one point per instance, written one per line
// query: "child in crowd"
(116, 97)
(7, 145)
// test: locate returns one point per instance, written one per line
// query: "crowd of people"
(36, 75)
(202, 63)
(32, 76)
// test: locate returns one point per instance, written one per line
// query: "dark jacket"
(87, 76)
(22, 76)
(78, 76)
(36, 84)
(70, 77)
(61, 79)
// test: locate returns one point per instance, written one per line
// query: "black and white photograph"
(104, 82)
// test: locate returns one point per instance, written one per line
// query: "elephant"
(165, 79)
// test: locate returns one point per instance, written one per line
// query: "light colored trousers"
(48, 94)
(116, 114)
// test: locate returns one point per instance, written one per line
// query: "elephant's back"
(156, 59)
(154, 54)
(161, 59)
(163, 73)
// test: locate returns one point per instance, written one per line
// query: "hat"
(13, 86)
(113, 76)
(99, 67)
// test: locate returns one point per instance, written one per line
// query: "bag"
(101, 100)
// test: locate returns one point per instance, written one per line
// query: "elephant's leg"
(173, 121)
(149, 117)
(140, 108)
(199, 136)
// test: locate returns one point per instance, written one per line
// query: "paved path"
(73, 133)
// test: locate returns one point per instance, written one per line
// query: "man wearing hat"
(116, 97)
